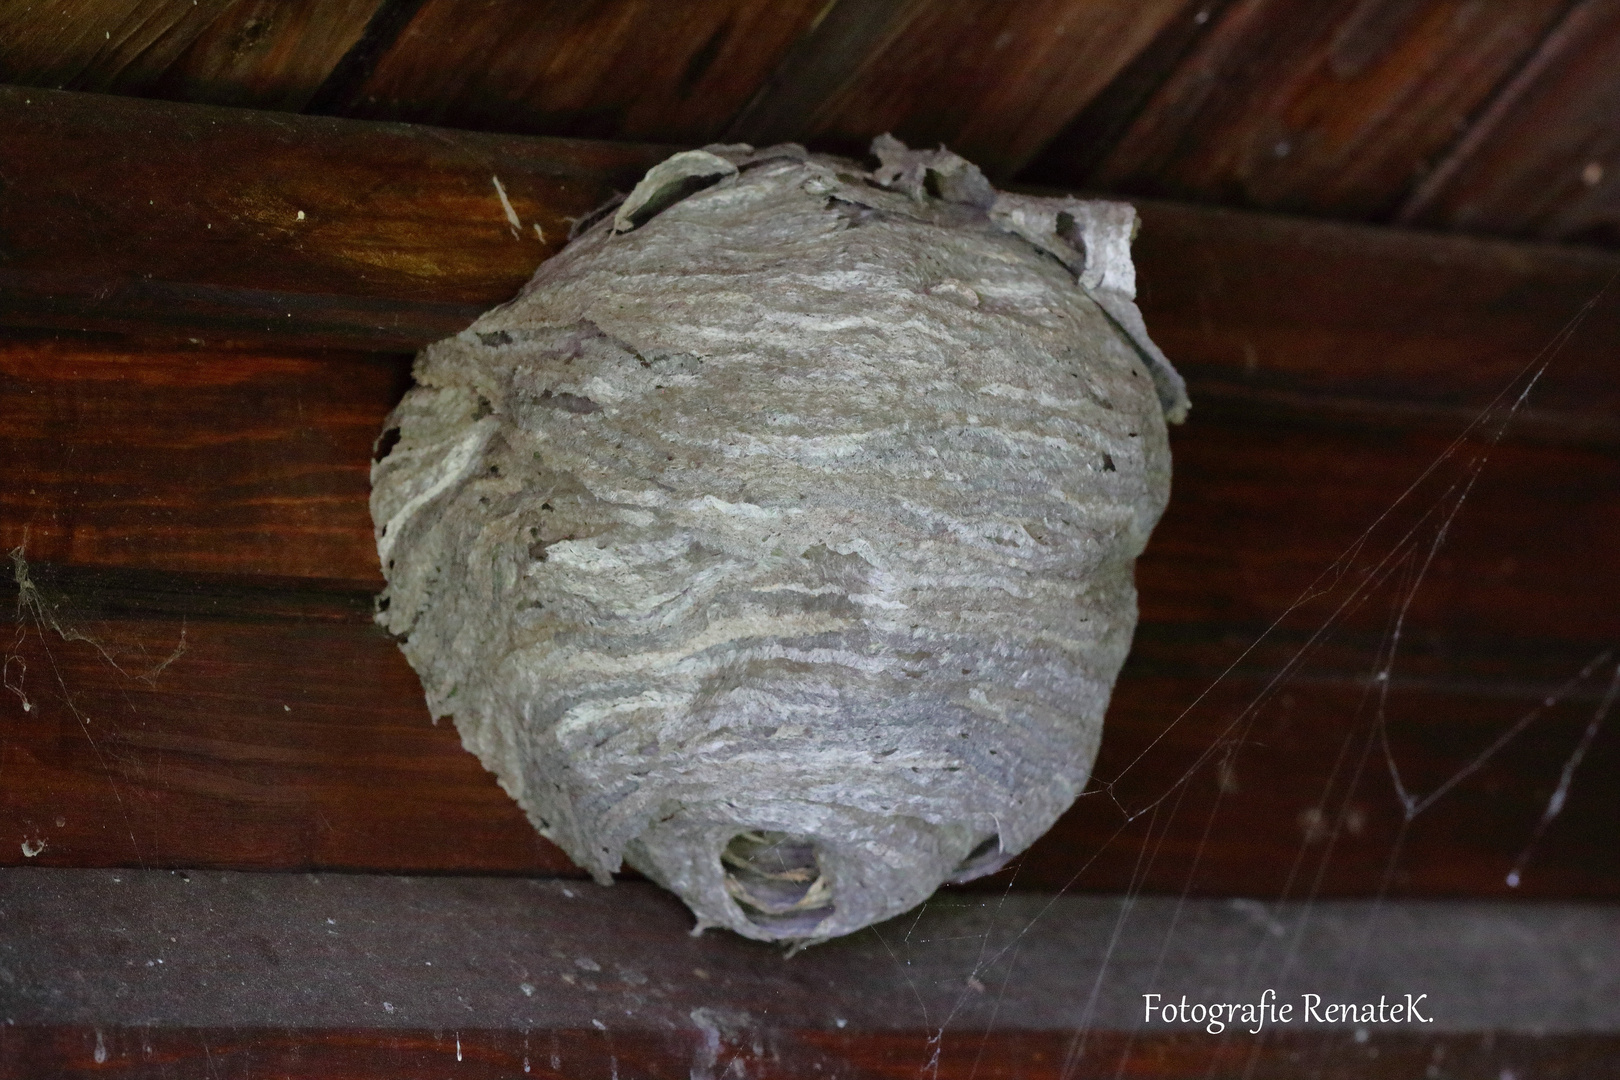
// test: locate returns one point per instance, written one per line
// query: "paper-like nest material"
(778, 538)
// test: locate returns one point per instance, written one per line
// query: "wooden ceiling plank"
(343, 84)
(1326, 108)
(192, 460)
(623, 69)
(110, 46)
(1072, 155)
(995, 82)
(845, 37)
(267, 54)
(1544, 160)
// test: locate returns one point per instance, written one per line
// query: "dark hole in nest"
(986, 855)
(1068, 230)
(777, 881)
(385, 444)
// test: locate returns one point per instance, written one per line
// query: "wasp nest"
(777, 540)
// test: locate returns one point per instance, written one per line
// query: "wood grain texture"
(286, 732)
(1351, 324)
(404, 241)
(1074, 152)
(147, 216)
(266, 54)
(194, 461)
(842, 37)
(117, 46)
(341, 1054)
(1328, 108)
(624, 69)
(1545, 159)
(993, 81)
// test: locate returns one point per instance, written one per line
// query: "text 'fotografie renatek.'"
(1269, 1009)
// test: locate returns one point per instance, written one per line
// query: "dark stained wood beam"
(344, 79)
(1286, 317)
(150, 974)
(190, 222)
(844, 37)
(191, 233)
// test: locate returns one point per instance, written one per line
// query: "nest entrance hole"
(777, 880)
(986, 858)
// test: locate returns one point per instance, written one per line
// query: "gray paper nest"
(777, 540)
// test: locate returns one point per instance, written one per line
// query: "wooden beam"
(143, 973)
(267, 54)
(844, 37)
(191, 234)
(192, 222)
(93, 1050)
(326, 950)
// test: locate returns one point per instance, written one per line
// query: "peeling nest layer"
(778, 538)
